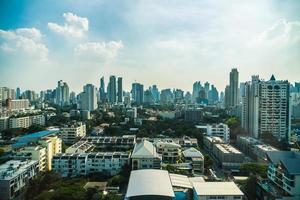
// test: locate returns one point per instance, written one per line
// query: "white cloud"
(26, 41)
(282, 33)
(101, 50)
(74, 26)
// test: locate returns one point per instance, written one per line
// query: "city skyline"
(172, 46)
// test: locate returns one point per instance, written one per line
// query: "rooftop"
(192, 152)
(14, 168)
(144, 149)
(289, 159)
(154, 182)
(217, 188)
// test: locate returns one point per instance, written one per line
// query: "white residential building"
(170, 151)
(80, 147)
(194, 157)
(25, 122)
(144, 156)
(71, 165)
(71, 132)
(14, 176)
(219, 130)
(266, 108)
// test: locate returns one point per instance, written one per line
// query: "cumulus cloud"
(74, 26)
(27, 41)
(101, 50)
(283, 33)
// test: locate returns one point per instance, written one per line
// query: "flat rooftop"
(217, 189)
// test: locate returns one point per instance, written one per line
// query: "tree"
(254, 169)
(249, 187)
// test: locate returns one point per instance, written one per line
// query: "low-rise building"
(72, 131)
(260, 151)
(229, 157)
(112, 142)
(145, 156)
(37, 153)
(14, 176)
(4, 123)
(80, 147)
(209, 141)
(219, 130)
(216, 190)
(71, 165)
(169, 151)
(194, 157)
(26, 121)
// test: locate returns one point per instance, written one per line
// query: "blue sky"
(168, 43)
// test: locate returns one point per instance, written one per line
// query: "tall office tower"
(30, 95)
(178, 95)
(213, 95)
(155, 93)
(89, 98)
(62, 93)
(112, 90)
(234, 88)
(18, 93)
(206, 88)
(196, 90)
(297, 87)
(188, 97)
(102, 89)
(227, 97)
(42, 95)
(241, 91)
(120, 90)
(137, 92)
(148, 97)
(166, 96)
(266, 108)
(73, 98)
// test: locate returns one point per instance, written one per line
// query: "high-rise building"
(137, 93)
(234, 88)
(166, 96)
(62, 93)
(89, 98)
(18, 93)
(266, 108)
(196, 89)
(112, 90)
(120, 90)
(227, 97)
(206, 89)
(102, 89)
(155, 93)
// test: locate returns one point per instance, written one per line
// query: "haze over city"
(168, 43)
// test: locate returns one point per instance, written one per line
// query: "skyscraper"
(196, 90)
(112, 90)
(120, 90)
(137, 92)
(62, 93)
(266, 108)
(89, 98)
(102, 89)
(234, 88)
(18, 93)
(155, 93)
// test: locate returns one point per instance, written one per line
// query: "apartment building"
(218, 130)
(196, 159)
(14, 176)
(52, 144)
(71, 165)
(37, 153)
(4, 123)
(17, 104)
(209, 141)
(19, 122)
(25, 122)
(72, 131)
(80, 147)
(114, 142)
(266, 108)
(145, 156)
(284, 173)
(229, 157)
(169, 150)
